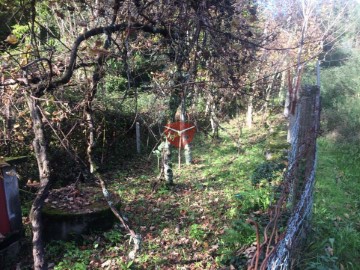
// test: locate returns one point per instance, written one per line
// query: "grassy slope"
(335, 239)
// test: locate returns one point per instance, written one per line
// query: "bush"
(341, 99)
(266, 171)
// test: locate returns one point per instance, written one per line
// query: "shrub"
(266, 171)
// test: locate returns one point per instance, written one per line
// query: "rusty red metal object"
(180, 133)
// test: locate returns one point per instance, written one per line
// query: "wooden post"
(138, 146)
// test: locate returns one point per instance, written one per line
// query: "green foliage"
(266, 171)
(113, 236)
(73, 257)
(256, 198)
(242, 234)
(326, 260)
(158, 150)
(341, 98)
(19, 30)
(335, 238)
(115, 66)
(196, 232)
(115, 83)
(126, 265)
(140, 61)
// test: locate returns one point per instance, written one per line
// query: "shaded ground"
(187, 226)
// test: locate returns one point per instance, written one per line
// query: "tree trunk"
(174, 103)
(40, 150)
(135, 238)
(167, 165)
(282, 88)
(88, 112)
(214, 121)
(187, 154)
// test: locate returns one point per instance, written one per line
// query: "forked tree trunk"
(40, 150)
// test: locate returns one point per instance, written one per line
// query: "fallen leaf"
(106, 263)
(149, 236)
(12, 39)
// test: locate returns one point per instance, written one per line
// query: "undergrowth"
(200, 222)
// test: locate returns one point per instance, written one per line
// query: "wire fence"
(279, 247)
(300, 176)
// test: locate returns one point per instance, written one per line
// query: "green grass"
(335, 238)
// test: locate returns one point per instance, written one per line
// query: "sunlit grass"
(335, 239)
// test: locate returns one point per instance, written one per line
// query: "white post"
(318, 73)
(138, 147)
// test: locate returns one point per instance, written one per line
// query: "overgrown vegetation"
(200, 223)
(342, 111)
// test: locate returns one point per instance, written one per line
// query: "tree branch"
(39, 90)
